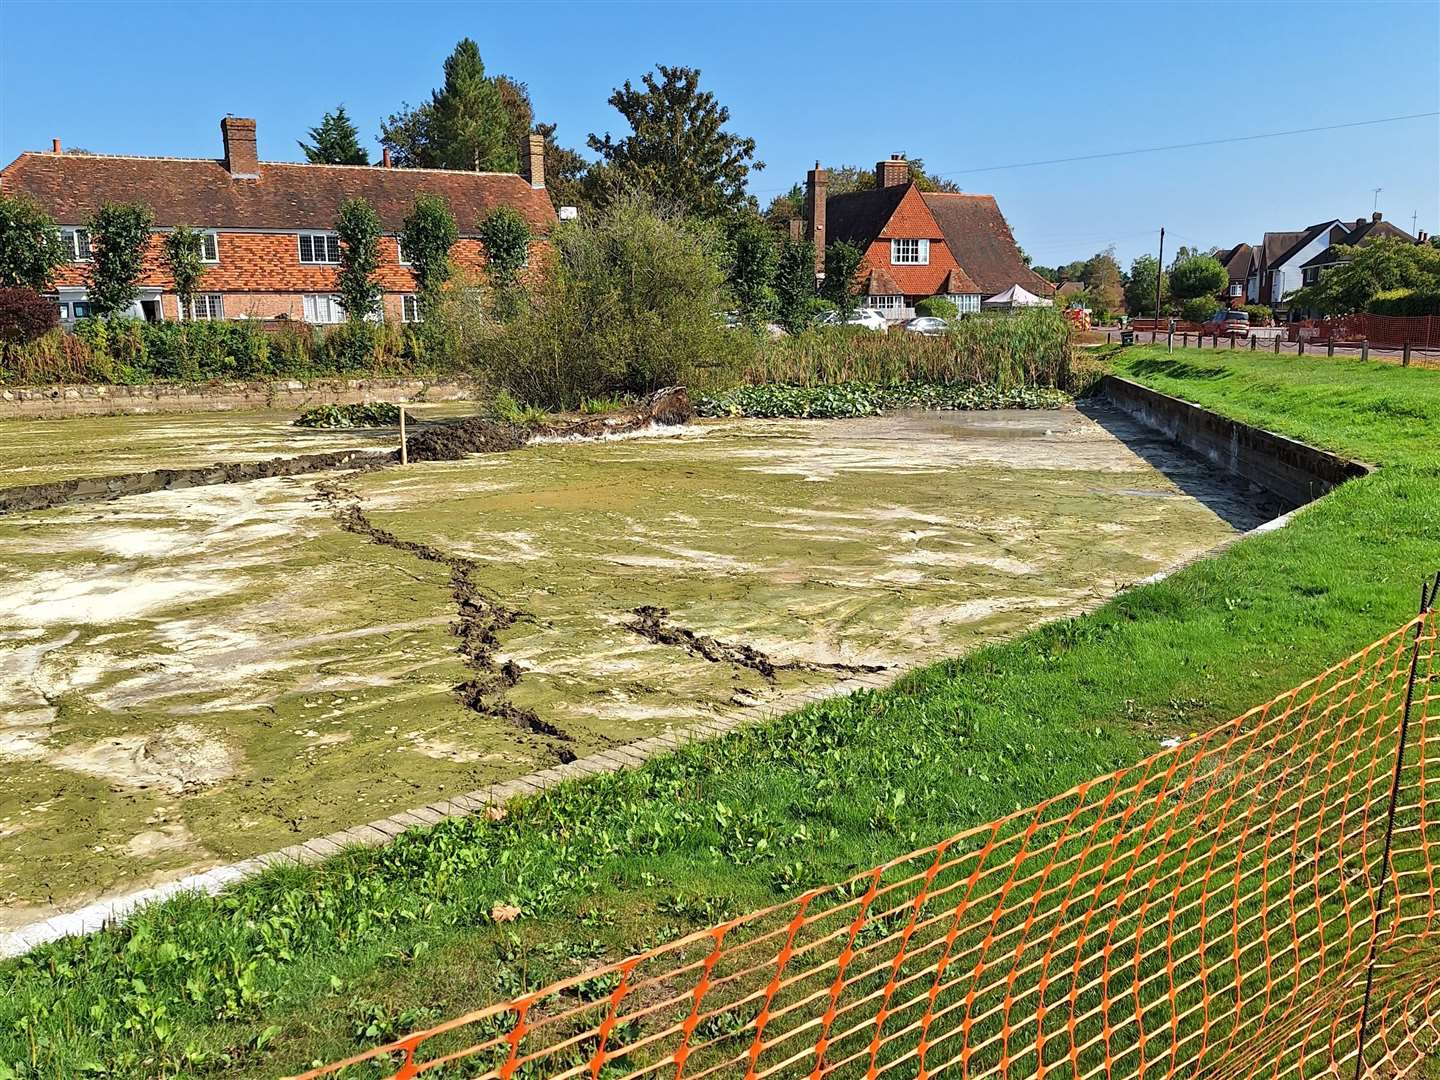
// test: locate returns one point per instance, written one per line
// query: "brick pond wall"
(52, 402)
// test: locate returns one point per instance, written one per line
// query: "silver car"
(928, 325)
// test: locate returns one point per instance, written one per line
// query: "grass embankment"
(310, 964)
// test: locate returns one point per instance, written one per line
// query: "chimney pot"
(817, 183)
(55, 146)
(535, 166)
(385, 157)
(1375, 217)
(241, 157)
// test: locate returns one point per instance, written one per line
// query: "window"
(965, 303)
(319, 248)
(64, 311)
(908, 252)
(885, 303)
(205, 308)
(80, 309)
(410, 308)
(1237, 290)
(77, 244)
(209, 247)
(400, 245)
(323, 309)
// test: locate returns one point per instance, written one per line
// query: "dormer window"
(209, 247)
(77, 244)
(909, 252)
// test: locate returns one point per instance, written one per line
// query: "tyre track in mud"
(652, 624)
(480, 619)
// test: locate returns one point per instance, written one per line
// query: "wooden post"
(1405, 357)
(1107, 337)
(1276, 340)
(1300, 347)
(1185, 340)
(404, 450)
(1365, 349)
(1254, 343)
(1330, 346)
(1232, 341)
(1214, 341)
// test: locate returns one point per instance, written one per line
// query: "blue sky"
(965, 87)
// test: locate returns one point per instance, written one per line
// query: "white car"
(928, 325)
(869, 318)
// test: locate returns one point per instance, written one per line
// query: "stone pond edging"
(61, 401)
(1295, 471)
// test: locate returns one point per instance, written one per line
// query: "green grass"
(309, 964)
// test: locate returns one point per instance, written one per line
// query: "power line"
(1171, 146)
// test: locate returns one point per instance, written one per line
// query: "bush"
(1260, 315)
(25, 315)
(937, 307)
(866, 399)
(362, 414)
(1200, 276)
(1198, 309)
(1405, 302)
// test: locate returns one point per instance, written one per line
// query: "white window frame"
(309, 306)
(69, 235)
(328, 240)
(400, 251)
(909, 251)
(211, 239)
(410, 309)
(885, 302)
(965, 303)
(214, 308)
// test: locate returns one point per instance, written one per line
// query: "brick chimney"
(242, 160)
(535, 160)
(55, 146)
(817, 182)
(892, 173)
(385, 158)
(1375, 217)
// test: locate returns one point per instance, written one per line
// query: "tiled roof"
(1363, 233)
(857, 217)
(1237, 261)
(880, 282)
(958, 283)
(201, 192)
(980, 239)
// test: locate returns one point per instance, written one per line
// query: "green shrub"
(868, 399)
(1405, 302)
(360, 414)
(1198, 309)
(1260, 315)
(937, 307)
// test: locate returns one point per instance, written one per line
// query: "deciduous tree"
(30, 244)
(427, 235)
(678, 147)
(795, 285)
(754, 256)
(335, 141)
(1197, 276)
(358, 226)
(842, 266)
(185, 259)
(1384, 264)
(1140, 290)
(118, 235)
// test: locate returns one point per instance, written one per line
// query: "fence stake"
(1427, 597)
(1330, 347)
(1170, 340)
(1300, 347)
(404, 450)
(1232, 341)
(1405, 360)
(1365, 349)
(1254, 343)
(1276, 340)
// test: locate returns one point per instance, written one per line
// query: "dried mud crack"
(652, 624)
(480, 620)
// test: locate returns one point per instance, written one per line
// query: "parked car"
(1228, 321)
(928, 325)
(866, 317)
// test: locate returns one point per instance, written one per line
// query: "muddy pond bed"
(190, 677)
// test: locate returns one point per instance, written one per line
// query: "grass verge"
(309, 964)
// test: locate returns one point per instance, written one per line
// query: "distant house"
(1067, 290)
(269, 243)
(1363, 232)
(1238, 262)
(917, 244)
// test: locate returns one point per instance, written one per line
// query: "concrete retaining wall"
(54, 402)
(1294, 471)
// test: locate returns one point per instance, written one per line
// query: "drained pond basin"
(190, 677)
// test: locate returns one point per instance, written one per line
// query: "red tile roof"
(200, 192)
(958, 283)
(980, 239)
(880, 282)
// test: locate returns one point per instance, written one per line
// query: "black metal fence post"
(1427, 599)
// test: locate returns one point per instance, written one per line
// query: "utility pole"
(1159, 269)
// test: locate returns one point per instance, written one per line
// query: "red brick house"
(918, 244)
(270, 248)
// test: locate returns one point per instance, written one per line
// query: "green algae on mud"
(319, 668)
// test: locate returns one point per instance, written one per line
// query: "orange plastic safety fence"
(1217, 910)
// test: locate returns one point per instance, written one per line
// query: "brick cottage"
(270, 248)
(918, 243)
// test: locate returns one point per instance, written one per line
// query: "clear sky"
(963, 86)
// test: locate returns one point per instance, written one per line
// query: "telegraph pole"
(1159, 269)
